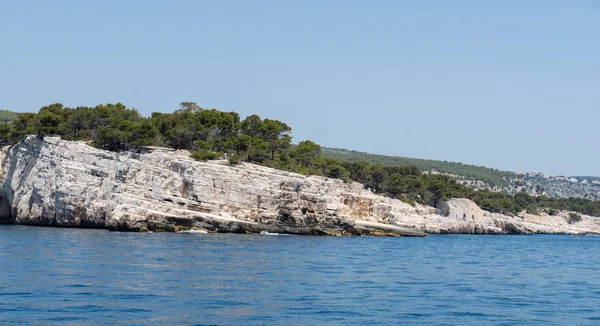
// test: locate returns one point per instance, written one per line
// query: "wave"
(264, 232)
(192, 231)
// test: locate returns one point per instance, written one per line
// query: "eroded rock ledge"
(64, 183)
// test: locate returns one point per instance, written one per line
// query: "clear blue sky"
(513, 85)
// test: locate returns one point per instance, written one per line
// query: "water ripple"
(91, 277)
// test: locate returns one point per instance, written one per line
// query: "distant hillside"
(589, 178)
(491, 176)
(8, 116)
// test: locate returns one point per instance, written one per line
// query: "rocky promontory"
(63, 183)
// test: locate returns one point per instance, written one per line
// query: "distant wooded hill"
(8, 116)
(491, 176)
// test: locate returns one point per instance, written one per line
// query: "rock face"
(63, 183)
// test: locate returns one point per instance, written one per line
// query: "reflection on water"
(92, 276)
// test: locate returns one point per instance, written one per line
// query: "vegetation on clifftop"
(493, 177)
(210, 134)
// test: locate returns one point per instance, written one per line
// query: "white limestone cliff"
(64, 183)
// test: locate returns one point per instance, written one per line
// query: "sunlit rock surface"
(64, 183)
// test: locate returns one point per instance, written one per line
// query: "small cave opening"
(5, 211)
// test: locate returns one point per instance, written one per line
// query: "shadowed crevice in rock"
(5, 211)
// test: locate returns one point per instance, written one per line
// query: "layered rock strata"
(64, 183)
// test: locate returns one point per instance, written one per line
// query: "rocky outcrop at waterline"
(63, 183)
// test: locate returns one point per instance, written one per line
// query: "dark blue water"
(52, 275)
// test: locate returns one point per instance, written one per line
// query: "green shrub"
(205, 155)
(408, 200)
(574, 218)
(234, 159)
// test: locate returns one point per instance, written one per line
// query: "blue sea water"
(88, 277)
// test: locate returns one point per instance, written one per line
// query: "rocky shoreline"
(63, 183)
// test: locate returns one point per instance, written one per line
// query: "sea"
(90, 277)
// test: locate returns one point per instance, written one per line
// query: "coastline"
(55, 182)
